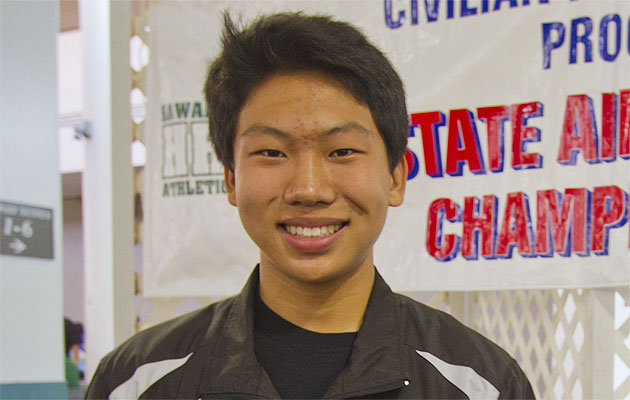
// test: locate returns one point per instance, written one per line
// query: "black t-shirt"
(301, 363)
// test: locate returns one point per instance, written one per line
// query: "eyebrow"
(280, 134)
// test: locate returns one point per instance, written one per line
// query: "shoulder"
(435, 330)
(447, 344)
(165, 346)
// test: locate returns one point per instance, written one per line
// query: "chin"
(320, 274)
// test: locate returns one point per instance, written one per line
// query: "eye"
(342, 153)
(271, 153)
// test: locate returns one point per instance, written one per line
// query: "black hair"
(293, 42)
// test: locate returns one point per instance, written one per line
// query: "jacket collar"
(232, 366)
(375, 363)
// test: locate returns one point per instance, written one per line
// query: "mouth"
(313, 231)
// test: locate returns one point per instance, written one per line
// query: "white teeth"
(313, 232)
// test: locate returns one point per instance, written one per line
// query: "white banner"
(519, 145)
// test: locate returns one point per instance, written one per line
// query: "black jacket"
(404, 349)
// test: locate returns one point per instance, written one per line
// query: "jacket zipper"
(373, 390)
(209, 396)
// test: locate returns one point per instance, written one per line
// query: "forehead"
(305, 103)
(307, 83)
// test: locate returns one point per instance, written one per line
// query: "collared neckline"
(375, 363)
(374, 366)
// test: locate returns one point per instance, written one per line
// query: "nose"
(309, 182)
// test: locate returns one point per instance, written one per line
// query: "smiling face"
(311, 179)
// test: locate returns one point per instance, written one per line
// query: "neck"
(335, 306)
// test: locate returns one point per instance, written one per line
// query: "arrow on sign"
(17, 245)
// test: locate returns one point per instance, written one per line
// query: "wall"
(31, 325)
(70, 100)
(73, 274)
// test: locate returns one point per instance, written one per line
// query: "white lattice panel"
(559, 338)
(621, 347)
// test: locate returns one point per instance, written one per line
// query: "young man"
(309, 120)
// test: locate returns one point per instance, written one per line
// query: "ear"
(399, 182)
(230, 185)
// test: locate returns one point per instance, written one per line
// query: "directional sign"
(26, 231)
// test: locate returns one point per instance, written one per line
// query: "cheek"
(366, 186)
(256, 189)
